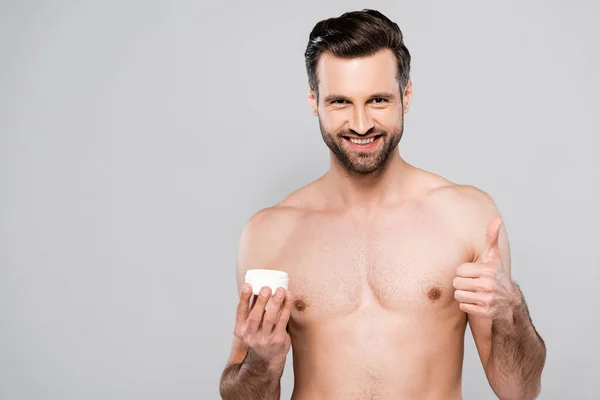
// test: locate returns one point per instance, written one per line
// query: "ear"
(312, 100)
(407, 95)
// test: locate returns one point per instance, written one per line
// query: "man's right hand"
(265, 331)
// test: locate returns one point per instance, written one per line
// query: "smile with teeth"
(363, 141)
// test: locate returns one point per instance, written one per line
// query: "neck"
(386, 185)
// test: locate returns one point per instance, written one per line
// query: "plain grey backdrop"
(137, 138)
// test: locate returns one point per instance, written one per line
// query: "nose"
(361, 122)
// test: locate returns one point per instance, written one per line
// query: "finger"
(469, 270)
(464, 296)
(243, 304)
(473, 309)
(491, 238)
(482, 284)
(284, 317)
(271, 301)
(252, 301)
(468, 284)
(273, 308)
(256, 314)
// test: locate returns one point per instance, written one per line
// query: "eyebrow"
(334, 97)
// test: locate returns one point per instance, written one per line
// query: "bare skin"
(374, 313)
(374, 261)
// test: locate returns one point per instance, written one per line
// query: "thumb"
(491, 239)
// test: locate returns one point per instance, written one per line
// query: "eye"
(379, 100)
(339, 101)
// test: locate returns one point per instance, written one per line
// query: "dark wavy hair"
(356, 34)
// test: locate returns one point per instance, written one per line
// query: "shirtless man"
(387, 262)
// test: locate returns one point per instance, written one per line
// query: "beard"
(362, 163)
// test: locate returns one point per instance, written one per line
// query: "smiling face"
(360, 110)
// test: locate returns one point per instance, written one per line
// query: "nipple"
(300, 304)
(434, 293)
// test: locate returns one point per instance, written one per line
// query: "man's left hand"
(483, 288)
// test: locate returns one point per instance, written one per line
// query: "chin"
(362, 168)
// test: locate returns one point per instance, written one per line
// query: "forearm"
(253, 379)
(518, 354)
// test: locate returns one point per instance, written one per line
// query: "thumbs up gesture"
(483, 288)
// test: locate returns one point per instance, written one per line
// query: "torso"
(375, 315)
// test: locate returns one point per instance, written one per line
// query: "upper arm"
(259, 242)
(484, 210)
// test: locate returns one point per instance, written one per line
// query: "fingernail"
(289, 295)
(280, 293)
(264, 291)
(245, 289)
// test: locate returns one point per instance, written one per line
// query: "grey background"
(138, 137)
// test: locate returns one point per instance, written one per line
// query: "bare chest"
(400, 262)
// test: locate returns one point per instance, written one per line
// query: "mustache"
(371, 132)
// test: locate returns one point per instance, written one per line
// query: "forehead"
(358, 76)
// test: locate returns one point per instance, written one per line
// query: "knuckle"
(238, 332)
(262, 301)
(488, 285)
(290, 300)
(251, 342)
(264, 341)
(277, 340)
(243, 298)
(253, 319)
(488, 301)
(277, 301)
(246, 336)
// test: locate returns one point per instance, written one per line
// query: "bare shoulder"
(468, 209)
(268, 230)
(455, 198)
(277, 221)
(467, 206)
(465, 199)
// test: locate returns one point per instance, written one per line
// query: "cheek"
(390, 120)
(334, 121)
